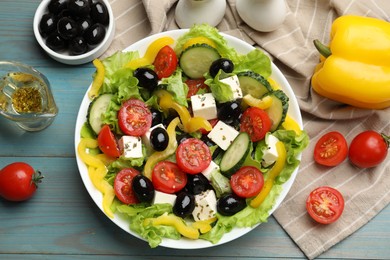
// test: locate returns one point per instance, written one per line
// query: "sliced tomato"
(168, 177)
(247, 182)
(134, 117)
(331, 149)
(107, 142)
(165, 62)
(123, 185)
(256, 123)
(325, 204)
(194, 85)
(193, 156)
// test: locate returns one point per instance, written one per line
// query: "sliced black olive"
(143, 188)
(78, 46)
(147, 78)
(229, 111)
(184, 204)
(79, 8)
(99, 13)
(48, 24)
(55, 42)
(95, 34)
(67, 28)
(230, 204)
(56, 6)
(221, 64)
(159, 139)
(197, 183)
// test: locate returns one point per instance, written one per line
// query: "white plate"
(294, 112)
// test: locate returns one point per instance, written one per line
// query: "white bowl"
(65, 58)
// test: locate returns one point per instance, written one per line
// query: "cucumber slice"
(235, 155)
(196, 60)
(95, 110)
(254, 84)
(278, 110)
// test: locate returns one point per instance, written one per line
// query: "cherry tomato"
(247, 182)
(256, 123)
(331, 149)
(168, 177)
(107, 142)
(325, 204)
(134, 117)
(194, 85)
(123, 186)
(193, 156)
(368, 149)
(165, 62)
(18, 181)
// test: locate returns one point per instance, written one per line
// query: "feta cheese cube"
(234, 85)
(270, 154)
(203, 105)
(205, 206)
(223, 135)
(131, 146)
(161, 198)
(212, 167)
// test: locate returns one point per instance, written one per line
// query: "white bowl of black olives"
(74, 31)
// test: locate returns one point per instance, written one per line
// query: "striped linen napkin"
(366, 192)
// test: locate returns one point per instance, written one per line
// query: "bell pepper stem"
(322, 48)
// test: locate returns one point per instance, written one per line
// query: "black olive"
(184, 204)
(230, 204)
(84, 24)
(221, 64)
(67, 28)
(95, 34)
(79, 8)
(157, 117)
(159, 139)
(78, 46)
(147, 78)
(197, 183)
(207, 141)
(48, 24)
(229, 111)
(55, 42)
(181, 137)
(143, 188)
(99, 13)
(56, 6)
(216, 152)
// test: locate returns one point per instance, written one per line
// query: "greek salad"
(190, 139)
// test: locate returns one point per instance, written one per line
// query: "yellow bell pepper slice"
(272, 174)
(151, 53)
(262, 103)
(204, 226)
(177, 223)
(98, 80)
(290, 124)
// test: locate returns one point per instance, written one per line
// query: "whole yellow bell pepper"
(355, 69)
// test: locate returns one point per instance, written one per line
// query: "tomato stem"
(386, 138)
(37, 178)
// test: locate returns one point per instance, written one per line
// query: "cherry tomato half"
(165, 62)
(134, 117)
(194, 85)
(193, 156)
(331, 149)
(123, 185)
(325, 204)
(18, 181)
(368, 149)
(107, 142)
(247, 182)
(256, 123)
(168, 177)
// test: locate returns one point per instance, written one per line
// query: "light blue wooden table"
(61, 221)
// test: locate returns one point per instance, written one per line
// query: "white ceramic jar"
(190, 12)
(262, 15)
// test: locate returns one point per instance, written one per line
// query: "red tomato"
(18, 181)
(331, 149)
(247, 182)
(368, 149)
(325, 205)
(212, 122)
(168, 177)
(255, 122)
(193, 156)
(165, 62)
(123, 185)
(194, 85)
(134, 117)
(107, 142)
